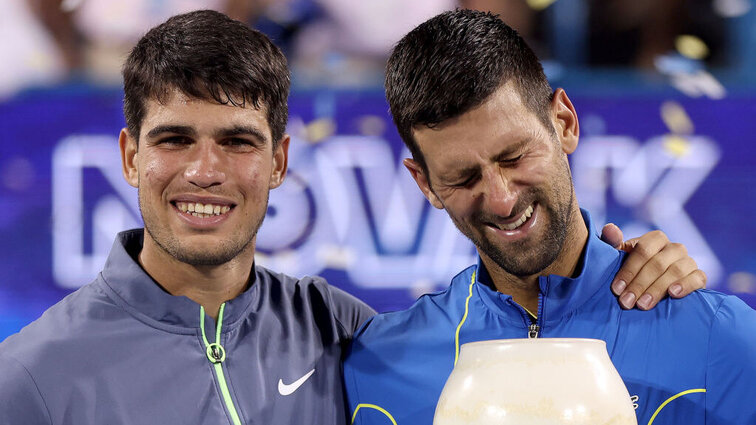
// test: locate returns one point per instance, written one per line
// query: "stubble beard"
(531, 255)
(221, 253)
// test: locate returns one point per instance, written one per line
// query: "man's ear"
(280, 162)
(565, 121)
(421, 179)
(129, 157)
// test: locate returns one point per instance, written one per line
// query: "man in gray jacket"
(181, 327)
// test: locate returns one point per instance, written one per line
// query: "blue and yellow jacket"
(688, 361)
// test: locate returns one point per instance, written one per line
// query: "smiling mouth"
(202, 210)
(519, 222)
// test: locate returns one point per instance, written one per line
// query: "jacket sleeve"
(348, 310)
(357, 373)
(20, 399)
(731, 368)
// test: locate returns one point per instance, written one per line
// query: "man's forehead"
(179, 108)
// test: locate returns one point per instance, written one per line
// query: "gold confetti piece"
(677, 146)
(539, 4)
(691, 47)
(372, 125)
(320, 129)
(675, 117)
(742, 282)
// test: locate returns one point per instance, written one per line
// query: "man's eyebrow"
(183, 130)
(242, 130)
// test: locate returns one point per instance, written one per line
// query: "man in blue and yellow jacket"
(490, 141)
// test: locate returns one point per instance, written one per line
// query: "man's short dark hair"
(207, 55)
(452, 63)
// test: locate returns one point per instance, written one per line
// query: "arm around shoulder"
(731, 369)
(20, 398)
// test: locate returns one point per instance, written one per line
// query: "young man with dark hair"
(490, 142)
(181, 327)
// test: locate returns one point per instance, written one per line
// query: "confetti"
(731, 8)
(699, 84)
(742, 282)
(676, 63)
(371, 125)
(691, 47)
(539, 4)
(676, 145)
(319, 130)
(676, 119)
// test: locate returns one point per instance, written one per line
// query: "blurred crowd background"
(665, 90)
(344, 43)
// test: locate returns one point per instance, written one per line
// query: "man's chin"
(523, 258)
(203, 258)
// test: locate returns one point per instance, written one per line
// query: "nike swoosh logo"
(285, 389)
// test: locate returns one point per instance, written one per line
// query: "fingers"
(646, 247)
(683, 287)
(668, 281)
(612, 235)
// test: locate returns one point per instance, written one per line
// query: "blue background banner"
(349, 210)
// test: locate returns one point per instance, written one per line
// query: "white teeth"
(524, 217)
(202, 210)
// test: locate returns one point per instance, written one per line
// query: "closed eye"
(467, 182)
(510, 161)
(174, 140)
(241, 144)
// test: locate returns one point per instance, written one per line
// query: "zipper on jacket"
(534, 327)
(217, 354)
(533, 330)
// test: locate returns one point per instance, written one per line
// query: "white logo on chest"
(287, 389)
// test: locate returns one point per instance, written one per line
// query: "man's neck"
(208, 286)
(525, 289)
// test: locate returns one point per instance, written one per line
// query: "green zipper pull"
(217, 354)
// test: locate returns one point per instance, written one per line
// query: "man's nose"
(500, 196)
(205, 168)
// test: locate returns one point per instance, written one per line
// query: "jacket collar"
(142, 296)
(560, 295)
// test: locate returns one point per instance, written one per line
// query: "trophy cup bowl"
(546, 381)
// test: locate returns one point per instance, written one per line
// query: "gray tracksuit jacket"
(121, 350)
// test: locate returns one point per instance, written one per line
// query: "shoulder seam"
(36, 387)
(332, 308)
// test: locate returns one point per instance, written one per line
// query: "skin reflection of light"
(495, 412)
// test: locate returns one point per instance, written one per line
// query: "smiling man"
(181, 327)
(490, 142)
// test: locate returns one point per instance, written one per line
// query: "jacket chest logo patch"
(288, 389)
